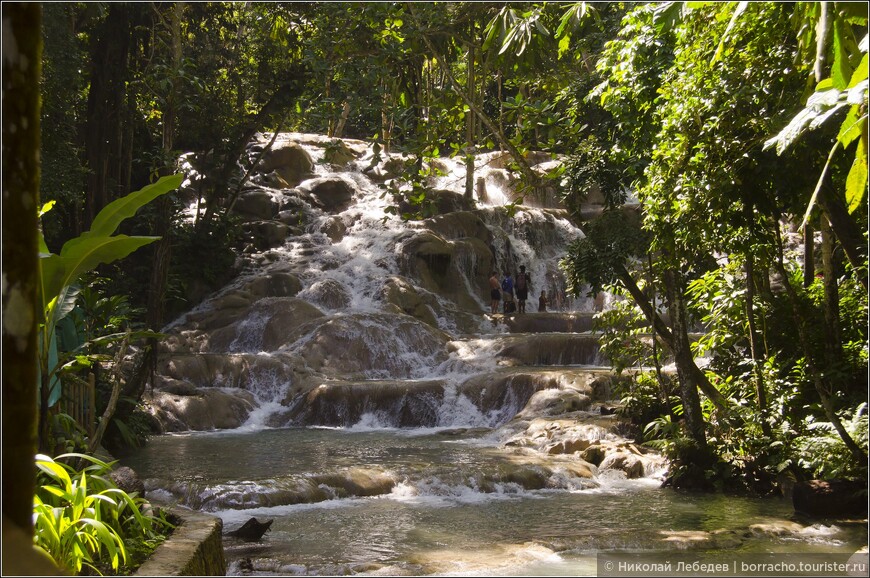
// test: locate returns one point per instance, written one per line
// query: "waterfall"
(357, 307)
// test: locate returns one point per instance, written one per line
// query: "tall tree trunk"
(22, 68)
(684, 360)
(163, 248)
(846, 229)
(109, 51)
(469, 126)
(755, 345)
(809, 254)
(842, 224)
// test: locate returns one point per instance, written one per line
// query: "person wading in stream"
(507, 293)
(523, 283)
(494, 292)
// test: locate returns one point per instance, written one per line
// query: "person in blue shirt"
(507, 292)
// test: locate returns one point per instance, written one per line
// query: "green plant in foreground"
(82, 519)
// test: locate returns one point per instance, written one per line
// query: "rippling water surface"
(434, 518)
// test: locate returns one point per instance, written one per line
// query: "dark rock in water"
(607, 410)
(128, 480)
(252, 530)
(830, 498)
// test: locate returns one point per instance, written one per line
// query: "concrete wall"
(195, 548)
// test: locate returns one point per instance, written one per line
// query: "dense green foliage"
(694, 94)
(82, 519)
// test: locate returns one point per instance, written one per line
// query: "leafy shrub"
(82, 519)
(823, 452)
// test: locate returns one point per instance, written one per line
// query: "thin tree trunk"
(345, 113)
(755, 346)
(684, 360)
(469, 127)
(655, 349)
(94, 442)
(833, 343)
(22, 69)
(809, 255)
(713, 394)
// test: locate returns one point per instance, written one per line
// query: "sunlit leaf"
(856, 182)
(738, 12)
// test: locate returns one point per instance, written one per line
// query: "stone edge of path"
(195, 548)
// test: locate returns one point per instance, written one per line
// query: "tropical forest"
(435, 288)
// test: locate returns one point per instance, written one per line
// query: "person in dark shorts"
(494, 292)
(522, 286)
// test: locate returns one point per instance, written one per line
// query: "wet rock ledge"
(195, 548)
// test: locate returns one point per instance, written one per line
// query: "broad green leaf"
(793, 130)
(856, 182)
(43, 248)
(53, 469)
(46, 208)
(108, 219)
(65, 303)
(81, 255)
(841, 70)
(851, 127)
(564, 43)
(860, 72)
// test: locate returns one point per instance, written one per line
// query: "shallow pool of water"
(437, 516)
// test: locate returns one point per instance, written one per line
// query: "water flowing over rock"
(346, 315)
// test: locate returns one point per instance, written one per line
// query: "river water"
(444, 511)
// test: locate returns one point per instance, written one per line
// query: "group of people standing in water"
(513, 293)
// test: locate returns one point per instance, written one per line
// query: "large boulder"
(209, 410)
(334, 228)
(290, 161)
(329, 293)
(830, 498)
(459, 225)
(629, 463)
(272, 284)
(556, 402)
(444, 201)
(446, 267)
(285, 316)
(332, 194)
(267, 234)
(256, 204)
(338, 153)
(409, 300)
(128, 480)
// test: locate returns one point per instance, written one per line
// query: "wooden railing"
(79, 402)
